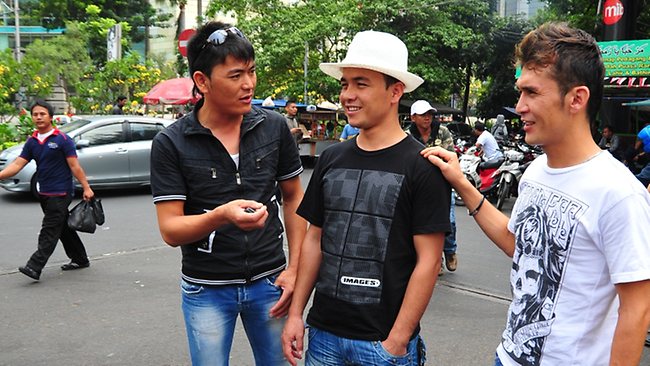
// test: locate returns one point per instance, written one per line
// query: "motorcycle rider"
(499, 130)
(485, 142)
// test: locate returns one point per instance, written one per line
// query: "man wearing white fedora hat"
(378, 220)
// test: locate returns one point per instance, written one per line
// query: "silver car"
(113, 151)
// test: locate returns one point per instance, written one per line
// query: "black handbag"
(82, 217)
(98, 211)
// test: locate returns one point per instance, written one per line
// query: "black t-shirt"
(369, 205)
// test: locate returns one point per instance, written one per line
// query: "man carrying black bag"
(56, 160)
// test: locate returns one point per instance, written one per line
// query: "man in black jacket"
(214, 174)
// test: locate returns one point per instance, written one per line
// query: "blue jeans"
(327, 349)
(450, 239)
(211, 313)
(644, 175)
(497, 360)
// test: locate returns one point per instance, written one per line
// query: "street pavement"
(125, 308)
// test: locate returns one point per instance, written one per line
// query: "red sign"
(612, 11)
(182, 40)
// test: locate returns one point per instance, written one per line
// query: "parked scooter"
(483, 179)
(509, 174)
(518, 157)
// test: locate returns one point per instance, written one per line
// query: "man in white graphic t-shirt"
(578, 233)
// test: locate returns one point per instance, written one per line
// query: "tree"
(139, 14)
(498, 70)
(129, 76)
(64, 58)
(96, 29)
(18, 81)
(444, 40)
(584, 14)
(283, 34)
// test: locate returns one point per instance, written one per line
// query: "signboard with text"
(627, 63)
(626, 58)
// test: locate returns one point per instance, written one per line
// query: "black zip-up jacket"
(188, 163)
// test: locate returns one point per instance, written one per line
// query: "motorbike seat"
(492, 164)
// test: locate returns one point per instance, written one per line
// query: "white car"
(113, 150)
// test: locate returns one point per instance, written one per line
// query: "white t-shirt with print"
(578, 231)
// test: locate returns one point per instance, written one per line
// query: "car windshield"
(69, 127)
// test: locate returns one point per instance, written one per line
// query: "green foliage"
(498, 69)
(64, 58)
(58, 13)
(25, 126)
(443, 39)
(129, 76)
(12, 133)
(19, 80)
(7, 134)
(281, 33)
(96, 29)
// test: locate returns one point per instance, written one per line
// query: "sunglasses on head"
(219, 36)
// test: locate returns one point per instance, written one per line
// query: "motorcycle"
(509, 173)
(484, 179)
(517, 158)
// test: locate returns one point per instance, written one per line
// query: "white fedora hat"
(377, 51)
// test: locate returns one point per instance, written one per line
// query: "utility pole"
(17, 34)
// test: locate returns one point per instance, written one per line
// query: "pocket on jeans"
(311, 332)
(387, 356)
(190, 288)
(270, 280)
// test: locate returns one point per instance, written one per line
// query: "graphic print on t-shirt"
(359, 206)
(545, 229)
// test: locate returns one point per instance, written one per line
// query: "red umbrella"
(173, 91)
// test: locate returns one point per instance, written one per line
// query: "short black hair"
(479, 126)
(291, 100)
(121, 98)
(609, 127)
(44, 104)
(203, 56)
(390, 80)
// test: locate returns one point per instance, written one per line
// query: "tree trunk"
(468, 78)
(181, 19)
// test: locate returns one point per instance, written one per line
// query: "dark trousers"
(53, 228)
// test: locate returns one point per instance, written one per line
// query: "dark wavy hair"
(573, 58)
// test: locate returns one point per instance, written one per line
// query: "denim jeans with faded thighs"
(211, 314)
